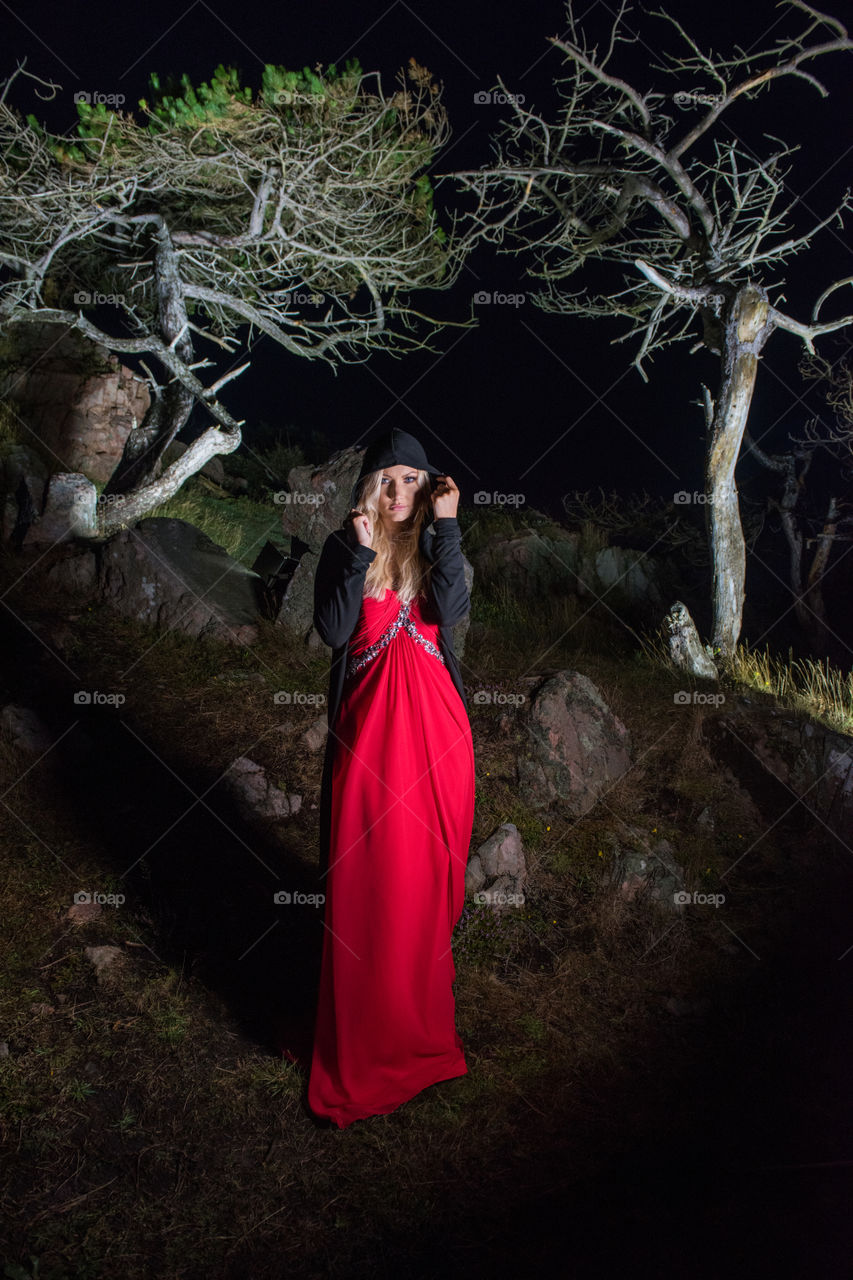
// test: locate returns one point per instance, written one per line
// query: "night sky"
(527, 402)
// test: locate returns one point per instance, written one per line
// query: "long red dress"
(402, 811)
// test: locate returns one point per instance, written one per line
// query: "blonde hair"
(412, 565)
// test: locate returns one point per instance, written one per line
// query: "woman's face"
(399, 495)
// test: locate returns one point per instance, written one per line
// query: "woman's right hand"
(361, 527)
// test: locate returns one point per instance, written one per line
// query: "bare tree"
(811, 534)
(618, 179)
(304, 214)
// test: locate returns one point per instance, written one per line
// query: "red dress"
(402, 810)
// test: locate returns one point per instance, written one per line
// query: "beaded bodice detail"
(403, 622)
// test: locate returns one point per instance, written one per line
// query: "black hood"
(394, 447)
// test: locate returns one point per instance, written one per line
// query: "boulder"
(108, 963)
(578, 747)
(808, 761)
(70, 511)
(169, 574)
(74, 570)
(642, 869)
(255, 796)
(318, 497)
(496, 873)
(77, 398)
(314, 737)
(27, 731)
(23, 482)
(536, 565)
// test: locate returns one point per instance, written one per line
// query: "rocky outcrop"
(536, 565)
(577, 747)
(39, 509)
(255, 795)
(80, 402)
(27, 732)
(781, 760)
(497, 872)
(23, 488)
(641, 868)
(169, 574)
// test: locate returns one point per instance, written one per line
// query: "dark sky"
(527, 402)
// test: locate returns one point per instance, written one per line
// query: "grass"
(810, 686)
(146, 1116)
(803, 684)
(240, 524)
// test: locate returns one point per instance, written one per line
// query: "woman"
(397, 803)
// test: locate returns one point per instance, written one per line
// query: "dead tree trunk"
(170, 407)
(809, 605)
(744, 332)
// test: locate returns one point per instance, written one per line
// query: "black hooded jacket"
(338, 593)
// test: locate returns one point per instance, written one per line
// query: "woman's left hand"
(445, 497)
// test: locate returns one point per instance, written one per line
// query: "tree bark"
(125, 509)
(744, 334)
(170, 408)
